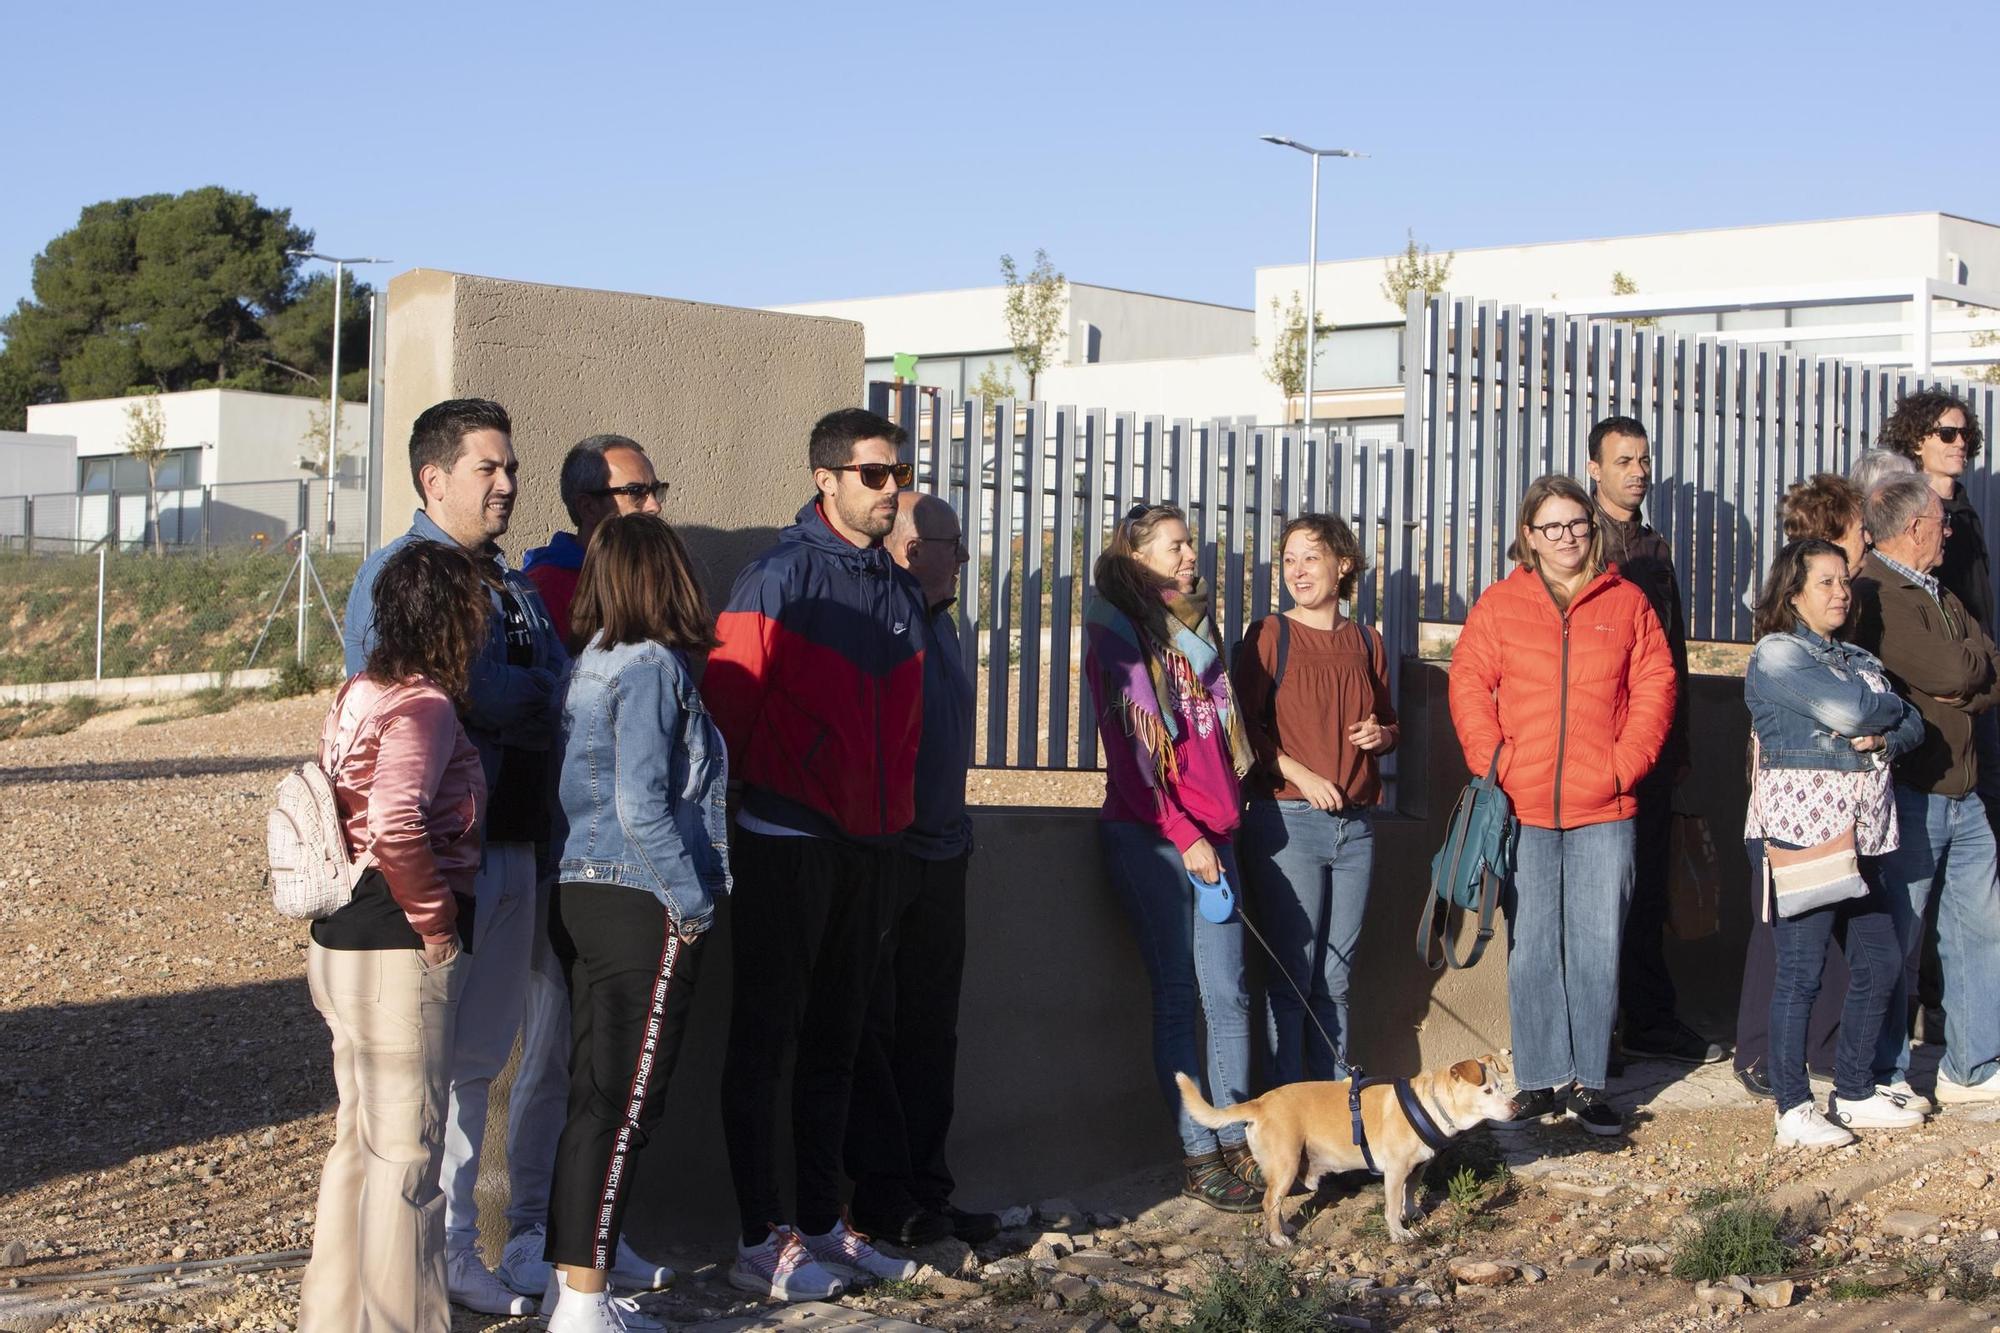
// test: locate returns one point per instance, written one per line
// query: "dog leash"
(1217, 903)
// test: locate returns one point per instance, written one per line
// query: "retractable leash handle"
(1216, 902)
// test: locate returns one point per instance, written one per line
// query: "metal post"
(305, 554)
(206, 491)
(1312, 299)
(100, 613)
(378, 326)
(28, 527)
(332, 415)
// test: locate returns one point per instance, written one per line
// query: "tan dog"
(1307, 1129)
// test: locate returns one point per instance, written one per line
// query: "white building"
(1855, 287)
(1119, 348)
(232, 472)
(1916, 288)
(36, 464)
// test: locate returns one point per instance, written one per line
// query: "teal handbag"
(1468, 871)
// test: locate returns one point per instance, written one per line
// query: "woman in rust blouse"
(1314, 690)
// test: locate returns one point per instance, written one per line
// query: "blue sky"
(758, 153)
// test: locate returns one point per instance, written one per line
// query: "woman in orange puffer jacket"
(1563, 669)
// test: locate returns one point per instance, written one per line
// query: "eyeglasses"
(635, 491)
(1942, 520)
(876, 475)
(1950, 434)
(1553, 532)
(957, 542)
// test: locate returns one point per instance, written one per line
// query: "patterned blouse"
(1807, 806)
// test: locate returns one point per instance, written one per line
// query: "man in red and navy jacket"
(817, 687)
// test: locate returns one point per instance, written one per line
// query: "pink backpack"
(313, 873)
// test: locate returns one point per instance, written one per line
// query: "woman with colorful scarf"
(1174, 751)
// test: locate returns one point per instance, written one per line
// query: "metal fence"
(1499, 395)
(1037, 490)
(256, 515)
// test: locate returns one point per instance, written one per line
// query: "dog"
(1306, 1130)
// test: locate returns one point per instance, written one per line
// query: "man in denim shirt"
(908, 1064)
(462, 460)
(1941, 661)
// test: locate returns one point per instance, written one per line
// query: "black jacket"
(1965, 569)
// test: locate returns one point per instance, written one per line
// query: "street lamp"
(333, 398)
(1312, 261)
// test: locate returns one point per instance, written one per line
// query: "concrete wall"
(722, 398)
(36, 464)
(1055, 1085)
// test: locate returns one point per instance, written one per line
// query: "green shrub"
(296, 678)
(1740, 1237)
(1264, 1297)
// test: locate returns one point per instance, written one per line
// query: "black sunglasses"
(876, 475)
(1950, 434)
(635, 490)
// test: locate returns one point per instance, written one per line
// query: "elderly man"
(1942, 662)
(908, 1063)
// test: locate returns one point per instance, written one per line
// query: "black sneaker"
(910, 1225)
(1677, 1041)
(972, 1228)
(1588, 1108)
(1755, 1081)
(1530, 1107)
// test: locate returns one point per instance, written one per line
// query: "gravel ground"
(167, 1099)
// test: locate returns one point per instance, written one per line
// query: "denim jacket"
(1807, 699)
(642, 781)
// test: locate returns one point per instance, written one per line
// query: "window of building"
(179, 470)
(1369, 357)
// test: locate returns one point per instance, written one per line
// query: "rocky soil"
(165, 1098)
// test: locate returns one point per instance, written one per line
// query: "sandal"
(1238, 1158)
(1209, 1179)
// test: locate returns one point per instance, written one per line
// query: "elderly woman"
(1562, 680)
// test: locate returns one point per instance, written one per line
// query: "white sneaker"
(468, 1282)
(1901, 1091)
(593, 1312)
(631, 1272)
(522, 1267)
(1878, 1110)
(783, 1270)
(1953, 1093)
(848, 1254)
(1804, 1127)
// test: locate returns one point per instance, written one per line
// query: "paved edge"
(1810, 1204)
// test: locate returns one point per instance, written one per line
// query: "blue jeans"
(1308, 872)
(1867, 928)
(1947, 847)
(1565, 909)
(1196, 972)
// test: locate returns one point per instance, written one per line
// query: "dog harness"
(1413, 1108)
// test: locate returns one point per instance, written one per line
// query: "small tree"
(1624, 286)
(312, 445)
(991, 387)
(1036, 308)
(1286, 365)
(1415, 270)
(146, 440)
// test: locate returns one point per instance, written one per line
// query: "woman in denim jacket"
(643, 855)
(1826, 726)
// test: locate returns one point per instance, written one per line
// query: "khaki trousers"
(378, 1240)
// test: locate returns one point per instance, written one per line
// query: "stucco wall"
(722, 398)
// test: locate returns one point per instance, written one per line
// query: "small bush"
(1740, 1237)
(1264, 1297)
(1854, 1289)
(296, 678)
(1013, 1289)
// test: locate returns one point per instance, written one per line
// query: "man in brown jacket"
(1941, 661)
(1621, 474)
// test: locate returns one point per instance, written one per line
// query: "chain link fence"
(124, 612)
(198, 520)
